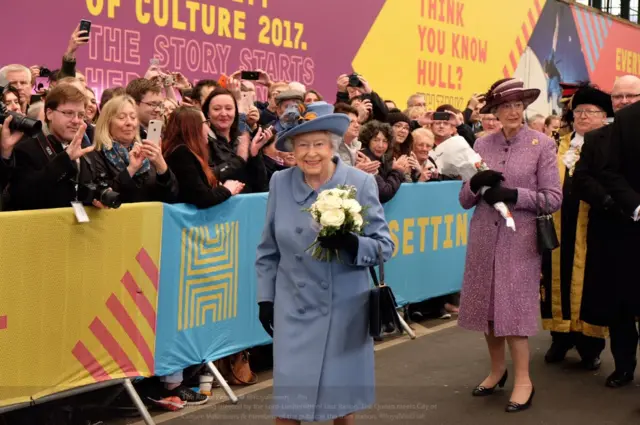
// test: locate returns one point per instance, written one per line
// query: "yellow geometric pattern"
(208, 275)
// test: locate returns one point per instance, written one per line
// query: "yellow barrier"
(63, 322)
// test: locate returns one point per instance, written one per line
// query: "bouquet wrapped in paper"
(454, 157)
(336, 211)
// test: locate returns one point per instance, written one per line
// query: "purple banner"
(307, 41)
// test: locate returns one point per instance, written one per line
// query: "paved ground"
(429, 380)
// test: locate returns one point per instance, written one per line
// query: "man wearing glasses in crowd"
(148, 97)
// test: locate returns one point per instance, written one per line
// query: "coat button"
(298, 229)
(502, 162)
(506, 149)
(324, 284)
(298, 257)
(301, 283)
(301, 310)
(324, 310)
(496, 223)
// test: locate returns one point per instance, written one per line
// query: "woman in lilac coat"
(500, 292)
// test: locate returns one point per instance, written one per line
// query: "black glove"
(488, 178)
(500, 194)
(266, 316)
(345, 241)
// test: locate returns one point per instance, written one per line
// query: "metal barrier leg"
(139, 404)
(406, 327)
(223, 383)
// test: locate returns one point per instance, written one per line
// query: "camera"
(354, 81)
(99, 190)
(27, 125)
(45, 72)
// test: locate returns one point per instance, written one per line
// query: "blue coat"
(323, 354)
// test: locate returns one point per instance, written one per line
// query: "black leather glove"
(488, 178)
(266, 316)
(348, 242)
(501, 194)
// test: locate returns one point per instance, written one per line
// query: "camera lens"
(110, 198)
(25, 124)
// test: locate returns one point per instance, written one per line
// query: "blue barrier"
(207, 295)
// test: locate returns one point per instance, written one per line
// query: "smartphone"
(85, 26)
(154, 132)
(441, 116)
(250, 75)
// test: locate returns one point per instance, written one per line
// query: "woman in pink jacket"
(500, 292)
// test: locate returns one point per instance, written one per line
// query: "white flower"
(358, 221)
(332, 218)
(352, 206)
(327, 203)
(333, 193)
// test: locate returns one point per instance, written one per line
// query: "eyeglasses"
(157, 105)
(512, 105)
(624, 96)
(71, 114)
(586, 112)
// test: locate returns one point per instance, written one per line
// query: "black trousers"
(587, 346)
(624, 334)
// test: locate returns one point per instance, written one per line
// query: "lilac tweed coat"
(502, 269)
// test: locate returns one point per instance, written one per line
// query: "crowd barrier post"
(223, 383)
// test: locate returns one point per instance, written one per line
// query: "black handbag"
(383, 315)
(547, 236)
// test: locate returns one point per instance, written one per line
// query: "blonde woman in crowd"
(134, 168)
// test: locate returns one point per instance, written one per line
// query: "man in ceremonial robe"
(619, 175)
(563, 270)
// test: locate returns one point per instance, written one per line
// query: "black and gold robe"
(563, 269)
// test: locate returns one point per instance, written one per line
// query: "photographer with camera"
(355, 86)
(134, 168)
(13, 126)
(53, 168)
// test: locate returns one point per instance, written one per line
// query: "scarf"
(118, 156)
(572, 155)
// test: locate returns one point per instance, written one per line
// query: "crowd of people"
(62, 146)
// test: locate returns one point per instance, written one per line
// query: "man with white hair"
(610, 298)
(536, 123)
(18, 76)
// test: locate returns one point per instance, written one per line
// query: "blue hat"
(300, 119)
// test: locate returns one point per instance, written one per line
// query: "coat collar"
(302, 191)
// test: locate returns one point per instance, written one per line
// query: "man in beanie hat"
(609, 298)
(563, 269)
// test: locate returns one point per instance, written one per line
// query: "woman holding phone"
(134, 168)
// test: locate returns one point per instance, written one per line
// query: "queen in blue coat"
(317, 312)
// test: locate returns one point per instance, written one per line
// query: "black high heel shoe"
(513, 407)
(481, 391)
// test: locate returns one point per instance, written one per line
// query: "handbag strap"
(540, 213)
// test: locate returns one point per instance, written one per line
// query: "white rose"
(352, 206)
(357, 220)
(331, 193)
(328, 203)
(332, 218)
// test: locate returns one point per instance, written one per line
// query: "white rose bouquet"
(337, 212)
